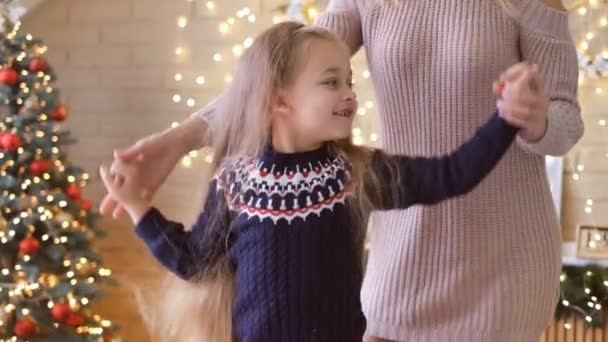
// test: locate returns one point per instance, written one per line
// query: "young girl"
(285, 213)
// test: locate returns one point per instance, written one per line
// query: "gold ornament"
(49, 280)
(5, 317)
(86, 269)
(3, 224)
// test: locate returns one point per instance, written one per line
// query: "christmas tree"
(49, 273)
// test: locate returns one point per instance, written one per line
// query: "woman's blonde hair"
(200, 309)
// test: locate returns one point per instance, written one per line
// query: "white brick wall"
(100, 12)
(98, 56)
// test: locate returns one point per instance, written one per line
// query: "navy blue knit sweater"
(292, 239)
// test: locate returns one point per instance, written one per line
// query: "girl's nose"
(350, 95)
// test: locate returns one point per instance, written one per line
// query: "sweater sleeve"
(186, 252)
(207, 114)
(545, 40)
(428, 181)
(343, 18)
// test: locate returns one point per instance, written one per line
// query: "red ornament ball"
(108, 338)
(38, 64)
(85, 204)
(73, 192)
(39, 167)
(60, 113)
(74, 319)
(60, 312)
(9, 76)
(29, 246)
(25, 328)
(10, 141)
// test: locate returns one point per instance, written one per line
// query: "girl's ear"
(279, 103)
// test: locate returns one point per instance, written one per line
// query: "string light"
(582, 11)
(187, 161)
(182, 21)
(237, 50)
(223, 28)
(248, 42)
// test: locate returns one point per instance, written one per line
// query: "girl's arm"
(417, 180)
(185, 252)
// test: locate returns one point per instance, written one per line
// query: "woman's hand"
(522, 101)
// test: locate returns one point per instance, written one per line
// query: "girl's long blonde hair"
(199, 310)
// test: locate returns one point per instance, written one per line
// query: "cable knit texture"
(484, 267)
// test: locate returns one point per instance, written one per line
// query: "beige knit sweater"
(485, 267)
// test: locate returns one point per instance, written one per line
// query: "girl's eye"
(332, 83)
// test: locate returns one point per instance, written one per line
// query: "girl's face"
(320, 104)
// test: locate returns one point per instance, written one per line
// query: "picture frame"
(592, 242)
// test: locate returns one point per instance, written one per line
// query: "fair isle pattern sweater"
(484, 267)
(293, 241)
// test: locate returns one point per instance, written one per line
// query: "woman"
(496, 277)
